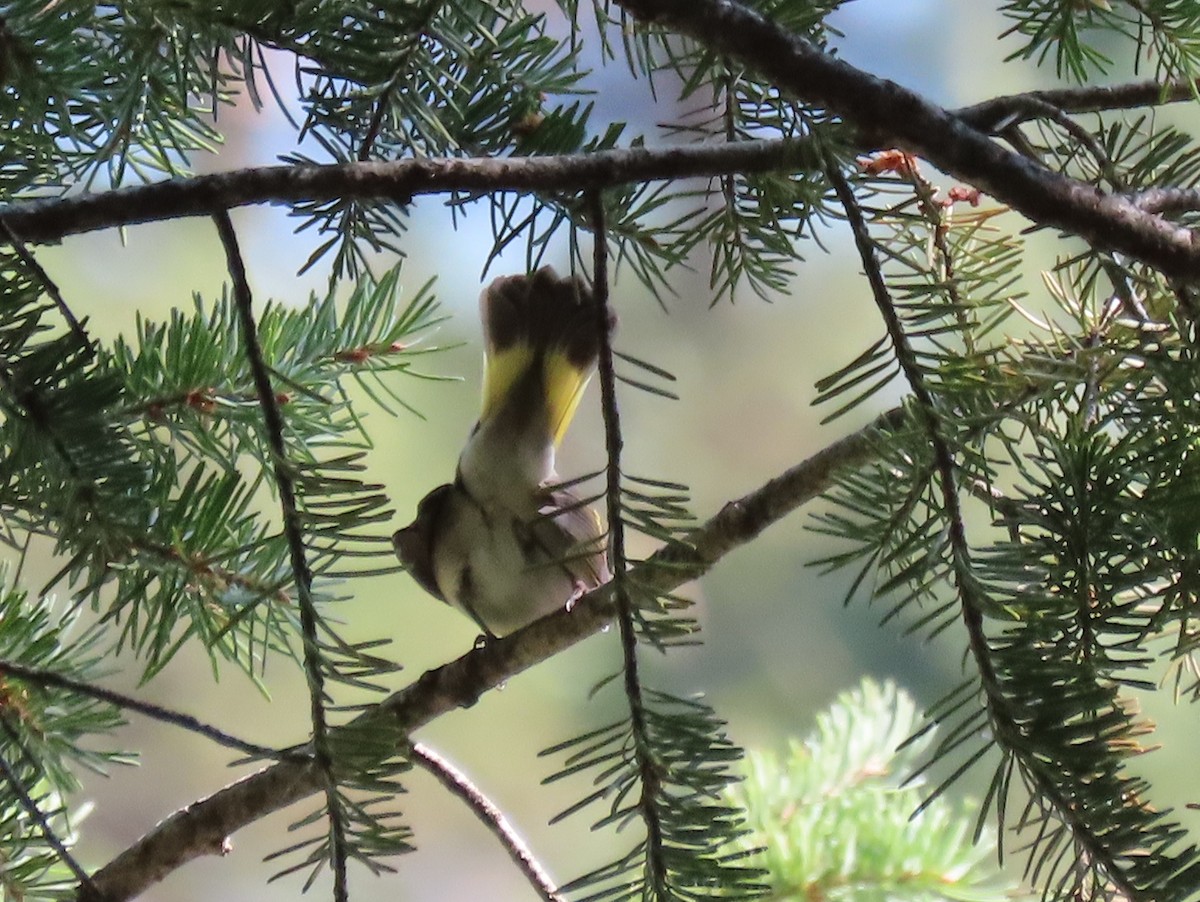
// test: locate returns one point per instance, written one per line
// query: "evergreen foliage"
(834, 817)
(201, 482)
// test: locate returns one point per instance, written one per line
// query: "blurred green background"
(778, 643)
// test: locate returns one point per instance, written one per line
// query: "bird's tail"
(543, 327)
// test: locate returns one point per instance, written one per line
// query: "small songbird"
(501, 542)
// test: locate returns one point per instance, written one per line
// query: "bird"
(504, 542)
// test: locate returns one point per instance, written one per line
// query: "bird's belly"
(500, 576)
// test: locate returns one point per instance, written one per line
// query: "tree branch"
(35, 813)
(200, 828)
(48, 678)
(997, 113)
(492, 817)
(398, 182)
(888, 113)
(967, 587)
(293, 531)
(648, 768)
(1167, 200)
(48, 284)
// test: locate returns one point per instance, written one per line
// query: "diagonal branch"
(926, 405)
(48, 284)
(492, 817)
(34, 810)
(293, 531)
(199, 828)
(888, 113)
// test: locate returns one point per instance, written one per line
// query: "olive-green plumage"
(500, 542)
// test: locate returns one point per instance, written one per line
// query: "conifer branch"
(49, 679)
(50, 286)
(293, 531)
(29, 803)
(1002, 719)
(1110, 221)
(1167, 200)
(886, 113)
(492, 817)
(643, 751)
(399, 182)
(1007, 509)
(926, 407)
(1102, 529)
(998, 113)
(199, 828)
(399, 65)
(943, 266)
(1043, 110)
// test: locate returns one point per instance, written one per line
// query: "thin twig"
(31, 400)
(1008, 509)
(34, 811)
(401, 59)
(937, 217)
(293, 532)
(997, 113)
(643, 748)
(926, 407)
(47, 678)
(491, 816)
(191, 831)
(23, 549)
(1127, 300)
(376, 123)
(48, 283)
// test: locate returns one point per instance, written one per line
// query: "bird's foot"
(483, 640)
(580, 588)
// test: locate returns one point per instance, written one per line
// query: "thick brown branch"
(887, 113)
(1108, 221)
(400, 182)
(202, 827)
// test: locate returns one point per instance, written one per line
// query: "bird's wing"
(571, 532)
